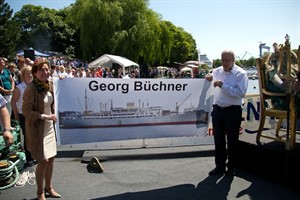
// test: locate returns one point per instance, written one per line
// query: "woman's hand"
(49, 117)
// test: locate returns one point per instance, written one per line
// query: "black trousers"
(22, 125)
(226, 125)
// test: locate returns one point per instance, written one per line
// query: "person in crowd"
(5, 122)
(69, 72)
(38, 110)
(12, 67)
(109, 73)
(53, 72)
(20, 65)
(5, 60)
(230, 86)
(99, 72)
(74, 72)
(62, 72)
(82, 73)
(7, 84)
(29, 62)
(17, 102)
(20, 62)
(88, 73)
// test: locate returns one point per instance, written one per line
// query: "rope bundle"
(10, 175)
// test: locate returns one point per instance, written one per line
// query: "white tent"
(192, 66)
(186, 69)
(107, 60)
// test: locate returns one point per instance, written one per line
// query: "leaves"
(90, 28)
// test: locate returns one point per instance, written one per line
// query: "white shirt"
(22, 86)
(2, 101)
(234, 88)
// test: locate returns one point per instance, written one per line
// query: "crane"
(241, 59)
(246, 52)
(178, 106)
(263, 46)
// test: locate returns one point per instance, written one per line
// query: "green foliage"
(44, 29)
(217, 63)
(8, 30)
(90, 28)
(129, 28)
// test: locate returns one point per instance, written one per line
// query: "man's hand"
(8, 138)
(209, 77)
(218, 84)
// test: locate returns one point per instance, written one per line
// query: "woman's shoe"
(51, 192)
(41, 196)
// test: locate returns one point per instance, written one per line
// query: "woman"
(39, 115)
(17, 102)
(7, 84)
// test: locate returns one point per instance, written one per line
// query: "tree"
(184, 46)
(217, 63)
(130, 29)
(90, 28)
(103, 19)
(44, 29)
(8, 30)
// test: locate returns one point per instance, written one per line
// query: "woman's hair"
(11, 64)
(38, 64)
(26, 68)
(61, 68)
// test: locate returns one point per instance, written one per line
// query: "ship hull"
(196, 117)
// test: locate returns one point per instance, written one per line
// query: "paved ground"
(178, 173)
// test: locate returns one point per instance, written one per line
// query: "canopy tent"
(191, 62)
(162, 67)
(194, 63)
(36, 53)
(192, 66)
(186, 69)
(108, 60)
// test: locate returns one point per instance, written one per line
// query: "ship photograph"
(131, 115)
(94, 116)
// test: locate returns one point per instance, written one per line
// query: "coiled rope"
(12, 171)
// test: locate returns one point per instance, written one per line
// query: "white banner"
(109, 113)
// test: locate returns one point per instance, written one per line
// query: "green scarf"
(41, 86)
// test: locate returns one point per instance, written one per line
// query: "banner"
(94, 112)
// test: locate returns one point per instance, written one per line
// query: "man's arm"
(5, 122)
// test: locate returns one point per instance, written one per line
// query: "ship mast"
(85, 101)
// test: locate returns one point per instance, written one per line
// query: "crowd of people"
(27, 91)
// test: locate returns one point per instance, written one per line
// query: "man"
(231, 83)
(5, 122)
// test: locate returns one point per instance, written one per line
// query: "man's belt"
(226, 108)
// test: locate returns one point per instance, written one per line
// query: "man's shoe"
(31, 163)
(230, 173)
(216, 171)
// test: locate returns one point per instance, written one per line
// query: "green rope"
(14, 167)
(17, 176)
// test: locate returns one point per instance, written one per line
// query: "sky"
(216, 25)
